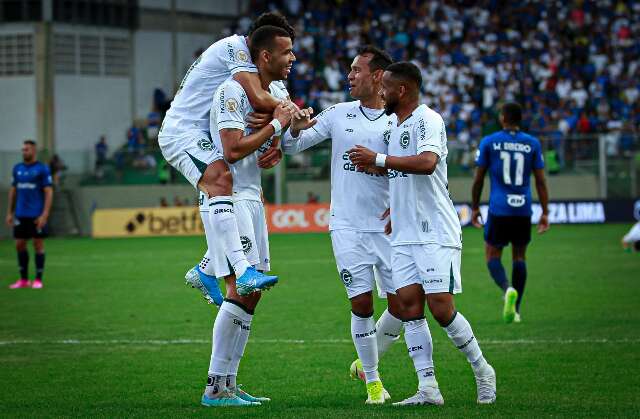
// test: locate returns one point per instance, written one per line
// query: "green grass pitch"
(116, 333)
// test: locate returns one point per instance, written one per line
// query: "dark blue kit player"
(30, 200)
(510, 156)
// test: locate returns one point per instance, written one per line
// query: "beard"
(390, 107)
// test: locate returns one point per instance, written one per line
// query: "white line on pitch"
(297, 341)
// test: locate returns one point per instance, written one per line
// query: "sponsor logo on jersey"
(231, 104)
(392, 174)
(349, 130)
(351, 115)
(386, 136)
(516, 201)
(346, 277)
(205, 144)
(242, 56)
(404, 140)
(246, 244)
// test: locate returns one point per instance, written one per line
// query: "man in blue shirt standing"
(30, 200)
(510, 156)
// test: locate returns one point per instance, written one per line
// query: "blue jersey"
(30, 181)
(510, 157)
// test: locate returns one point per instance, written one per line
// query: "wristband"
(277, 126)
(381, 159)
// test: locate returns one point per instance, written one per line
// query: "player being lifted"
(271, 50)
(426, 236)
(358, 200)
(509, 156)
(186, 144)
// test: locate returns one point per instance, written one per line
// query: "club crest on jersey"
(205, 144)
(386, 136)
(404, 140)
(242, 56)
(246, 244)
(346, 277)
(231, 104)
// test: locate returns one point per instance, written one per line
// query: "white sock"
(363, 333)
(206, 266)
(225, 229)
(238, 350)
(420, 347)
(460, 333)
(226, 331)
(388, 329)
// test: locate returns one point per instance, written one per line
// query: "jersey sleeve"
(229, 107)
(14, 176)
(538, 159)
(309, 137)
(237, 58)
(482, 155)
(429, 136)
(45, 176)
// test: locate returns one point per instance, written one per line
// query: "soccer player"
(358, 199)
(510, 156)
(271, 50)
(30, 198)
(186, 144)
(426, 235)
(631, 240)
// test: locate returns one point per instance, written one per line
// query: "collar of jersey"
(365, 115)
(407, 121)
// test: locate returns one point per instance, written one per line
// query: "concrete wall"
(152, 66)
(17, 111)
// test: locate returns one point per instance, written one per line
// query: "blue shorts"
(499, 231)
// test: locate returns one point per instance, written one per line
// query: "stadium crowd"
(575, 66)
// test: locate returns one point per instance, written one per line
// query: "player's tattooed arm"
(476, 193)
(543, 196)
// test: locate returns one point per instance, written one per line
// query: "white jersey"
(358, 199)
(421, 209)
(192, 103)
(229, 110)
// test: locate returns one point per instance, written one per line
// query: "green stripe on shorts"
(202, 166)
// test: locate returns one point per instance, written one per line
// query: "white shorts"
(633, 235)
(252, 226)
(363, 260)
(435, 267)
(190, 153)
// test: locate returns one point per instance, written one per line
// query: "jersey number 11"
(506, 167)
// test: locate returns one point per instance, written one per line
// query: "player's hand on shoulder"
(476, 218)
(543, 224)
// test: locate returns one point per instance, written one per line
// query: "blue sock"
(519, 279)
(23, 264)
(39, 265)
(497, 273)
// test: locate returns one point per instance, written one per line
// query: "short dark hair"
(512, 113)
(30, 142)
(263, 38)
(273, 19)
(406, 71)
(380, 60)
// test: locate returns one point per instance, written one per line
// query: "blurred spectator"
(57, 169)
(101, 150)
(163, 202)
(312, 198)
(153, 125)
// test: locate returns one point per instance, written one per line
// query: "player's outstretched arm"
(299, 137)
(476, 193)
(422, 164)
(11, 205)
(543, 196)
(260, 99)
(236, 147)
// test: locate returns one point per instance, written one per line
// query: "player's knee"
(442, 313)
(38, 245)
(21, 245)
(362, 305)
(224, 182)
